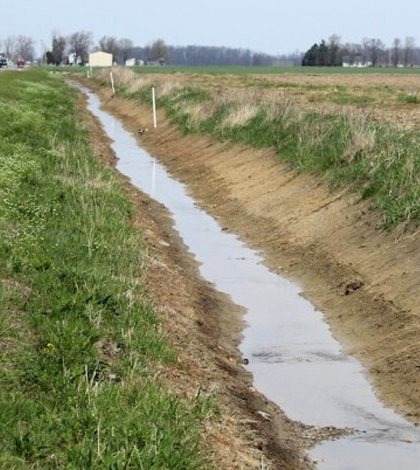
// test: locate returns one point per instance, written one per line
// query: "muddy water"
(294, 359)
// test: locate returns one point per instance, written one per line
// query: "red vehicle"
(20, 63)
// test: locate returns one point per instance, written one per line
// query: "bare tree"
(334, 47)
(80, 43)
(409, 45)
(125, 47)
(25, 48)
(10, 47)
(353, 52)
(396, 52)
(158, 51)
(109, 44)
(365, 51)
(59, 44)
(372, 51)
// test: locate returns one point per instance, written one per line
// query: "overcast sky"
(271, 26)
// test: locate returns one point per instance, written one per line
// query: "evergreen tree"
(311, 56)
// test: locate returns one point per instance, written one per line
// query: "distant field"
(257, 70)
(276, 70)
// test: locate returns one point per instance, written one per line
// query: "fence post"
(112, 82)
(154, 107)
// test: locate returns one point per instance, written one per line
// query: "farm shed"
(100, 59)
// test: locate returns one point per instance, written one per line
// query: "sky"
(268, 26)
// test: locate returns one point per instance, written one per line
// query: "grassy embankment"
(346, 148)
(79, 344)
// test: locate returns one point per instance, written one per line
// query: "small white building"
(130, 62)
(355, 61)
(100, 59)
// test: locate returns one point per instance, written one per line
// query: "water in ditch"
(292, 355)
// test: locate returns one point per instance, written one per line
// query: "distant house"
(73, 59)
(354, 61)
(100, 59)
(130, 62)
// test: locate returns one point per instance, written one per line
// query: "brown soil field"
(364, 280)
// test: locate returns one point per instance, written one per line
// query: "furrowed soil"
(364, 280)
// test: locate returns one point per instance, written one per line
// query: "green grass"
(251, 70)
(79, 343)
(408, 99)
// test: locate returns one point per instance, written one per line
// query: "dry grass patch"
(196, 112)
(239, 115)
(166, 87)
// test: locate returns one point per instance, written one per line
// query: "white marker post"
(154, 107)
(112, 83)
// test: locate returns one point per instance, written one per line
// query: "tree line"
(370, 52)
(76, 47)
(15, 47)
(155, 52)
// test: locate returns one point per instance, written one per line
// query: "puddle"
(294, 359)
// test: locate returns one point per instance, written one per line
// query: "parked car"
(3, 62)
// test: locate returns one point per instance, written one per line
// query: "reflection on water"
(292, 355)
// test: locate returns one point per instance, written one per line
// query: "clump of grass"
(239, 115)
(166, 88)
(79, 342)
(194, 114)
(408, 99)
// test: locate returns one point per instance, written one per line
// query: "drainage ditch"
(290, 351)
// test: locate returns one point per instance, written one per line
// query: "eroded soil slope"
(365, 281)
